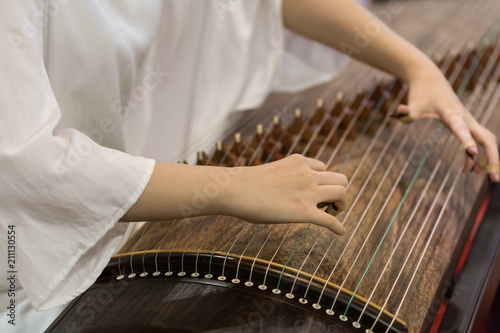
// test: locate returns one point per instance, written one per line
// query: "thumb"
(326, 220)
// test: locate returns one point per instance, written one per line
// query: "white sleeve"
(62, 192)
(307, 63)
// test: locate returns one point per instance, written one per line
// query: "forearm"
(348, 27)
(179, 190)
(285, 191)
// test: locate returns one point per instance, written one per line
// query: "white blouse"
(80, 80)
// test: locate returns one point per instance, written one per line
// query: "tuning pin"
(245, 154)
(462, 60)
(448, 67)
(360, 102)
(238, 148)
(469, 54)
(257, 145)
(368, 117)
(395, 88)
(202, 159)
(486, 56)
(339, 110)
(277, 129)
(327, 127)
(453, 60)
(339, 105)
(222, 156)
(255, 160)
(299, 127)
(496, 60)
(219, 154)
(438, 59)
(259, 136)
(382, 97)
(326, 131)
(271, 151)
(282, 138)
(457, 82)
(329, 122)
(268, 146)
(297, 123)
(346, 121)
(320, 112)
(238, 145)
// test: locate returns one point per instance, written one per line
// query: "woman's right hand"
(288, 190)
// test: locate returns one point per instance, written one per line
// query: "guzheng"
(411, 208)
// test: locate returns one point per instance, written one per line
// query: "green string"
(421, 165)
(463, 85)
(462, 88)
(363, 131)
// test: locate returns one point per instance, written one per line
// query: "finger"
(332, 178)
(335, 194)
(326, 220)
(404, 114)
(489, 141)
(456, 122)
(468, 165)
(315, 164)
(477, 169)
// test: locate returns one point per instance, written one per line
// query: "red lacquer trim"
(465, 253)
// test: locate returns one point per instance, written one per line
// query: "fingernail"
(345, 230)
(495, 177)
(399, 115)
(471, 151)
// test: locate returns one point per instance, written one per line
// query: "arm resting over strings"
(260, 194)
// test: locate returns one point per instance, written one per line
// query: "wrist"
(421, 68)
(221, 189)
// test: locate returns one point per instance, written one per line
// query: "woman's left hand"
(431, 96)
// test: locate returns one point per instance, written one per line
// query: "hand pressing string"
(285, 191)
(431, 96)
(288, 190)
(334, 23)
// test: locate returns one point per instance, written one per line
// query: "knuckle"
(340, 191)
(309, 176)
(454, 119)
(344, 179)
(486, 137)
(490, 136)
(446, 113)
(297, 157)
